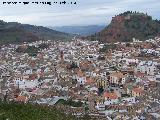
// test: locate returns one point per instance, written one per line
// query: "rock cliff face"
(126, 26)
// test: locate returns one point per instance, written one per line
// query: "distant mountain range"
(80, 30)
(126, 26)
(13, 32)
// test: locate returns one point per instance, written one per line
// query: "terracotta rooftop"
(21, 98)
(110, 95)
(89, 80)
(138, 90)
(139, 74)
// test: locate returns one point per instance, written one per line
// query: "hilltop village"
(106, 81)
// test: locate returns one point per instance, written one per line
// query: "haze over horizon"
(91, 12)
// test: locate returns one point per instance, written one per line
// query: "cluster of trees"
(100, 90)
(21, 111)
(106, 48)
(142, 27)
(43, 46)
(16, 111)
(31, 50)
(132, 12)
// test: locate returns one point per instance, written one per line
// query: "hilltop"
(128, 25)
(13, 32)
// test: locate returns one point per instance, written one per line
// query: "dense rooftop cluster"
(85, 77)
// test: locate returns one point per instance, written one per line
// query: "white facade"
(110, 102)
(100, 106)
(26, 83)
(81, 80)
(146, 67)
(129, 100)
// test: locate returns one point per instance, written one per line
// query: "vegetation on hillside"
(16, 111)
(20, 111)
(13, 32)
(70, 103)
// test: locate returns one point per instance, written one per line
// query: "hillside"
(80, 30)
(13, 32)
(128, 25)
(16, 111)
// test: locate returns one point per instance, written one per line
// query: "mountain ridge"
(13, 32)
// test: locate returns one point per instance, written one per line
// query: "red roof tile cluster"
(89, 81)
(139, 74)
(138, 90)
(21, 98)
(110, 95)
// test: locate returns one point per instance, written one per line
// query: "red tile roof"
(139, 74)
(110, 95)
(137, 90)
(89, 81)
(21, 98)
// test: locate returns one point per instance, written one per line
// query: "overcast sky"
(85, 12)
